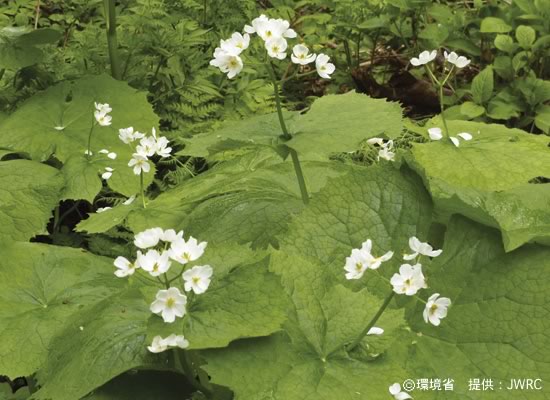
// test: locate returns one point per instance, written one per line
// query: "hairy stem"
(89, 153)
(372, 322)
(112, 42)
(142, 186)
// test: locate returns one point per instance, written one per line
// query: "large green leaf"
(487, 179)
(334, 124)
(18, 45)
(70, 105)
(309, 360)
(497, 327)
(29, 191)
(41, 286)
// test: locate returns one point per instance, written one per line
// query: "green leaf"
(41, 286)
(495, 326)
(28, 193)
(472, 110)
(18, 46)
(102, 222)
(435, 33)
(482, 86)
(334, 124)
(542, 119)
(70, 105)
(503, 67)
(478, 178)
(526, 36)
(505, 43)
(494, 25)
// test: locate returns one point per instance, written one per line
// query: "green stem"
(142, 189)
(89, 154)
(110, 16)
(271, 71)
(443, 111)
(372, 322)
(299, 176)
(189, 371)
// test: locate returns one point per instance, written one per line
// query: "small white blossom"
(276, 48)
(436, 309)
(59, 128)
(158, 345)
(362, 259)
(108, 173)
(465, 135)
(323, 66)
(112, 155)
(300, 55)
(183, 251)
(386, 151)
(254, 27)
(147, 146)
(127, 135)
(269, 28)
(424, 58)
(375, 331)
(103, 151)
(148, 238)
(161, 147)
(125, 267)
(409, 280)
(458, 61)
(154, 262)
(169, 304)
(106, 108)
(102, 118)
(435, 133)
(230, 64)
(170, 235)
(395, 391)
(421, 248)
(197, 278)
(103, 209)
(236, 44)
(88, 153)
(376, 140)
(140, 163)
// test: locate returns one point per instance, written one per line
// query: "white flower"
(169, 304)
(159, 344)
(197, 278)
(103, 209)
(422, 248)
(103, 151)
(458, 61)
(140, 164)
(324, 68)
(455, 141)
(127, 135)
(362, 259)
(88, 153)
(276, 48)
(106, 108)
(424, 58)
(112, 155)
(148, 238)
(409, 280)
(102, 118)
(129, 201)
(236, 44)
(154, 262)
(375, 331)
(376, 140)
(59, 128)
(300, 55)
(269, 28)
(227, 63)
(125, 267)
(161, 147)
(436, 309)
(435, 133)
(386, 151)
(184, 251)
(395, 391)
(147, 146)
(170, 235)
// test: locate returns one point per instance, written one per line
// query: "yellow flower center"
(170, 302)
(358, 267)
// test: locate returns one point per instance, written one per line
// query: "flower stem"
(110, 16)
(271, 71)
(142, 189)
(372, 322)
(89, 154)
(299, 176)
(287, 136)
(442, 106)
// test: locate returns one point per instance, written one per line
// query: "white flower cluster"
(410, 278)
(148, 146)
(395, 391)
(101, 114)
(274, 32)
(163, 248)
(385, 148)
(428, 56)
